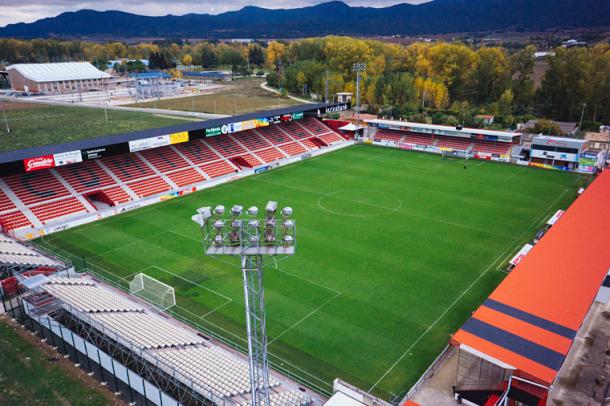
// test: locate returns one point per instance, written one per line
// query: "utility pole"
(358, 67)
(582, 114)
(8, 129)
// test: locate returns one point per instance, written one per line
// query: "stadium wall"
(29, 234)
(437, 150)
(123, 381)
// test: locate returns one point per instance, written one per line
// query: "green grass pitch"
(395, 249)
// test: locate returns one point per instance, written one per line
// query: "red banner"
(38, 163)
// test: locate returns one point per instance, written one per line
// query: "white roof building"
(54, 72)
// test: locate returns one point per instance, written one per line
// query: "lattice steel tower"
(250, 238)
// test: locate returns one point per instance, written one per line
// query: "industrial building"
(56, 78)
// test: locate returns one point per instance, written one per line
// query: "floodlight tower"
(358, 67)
(250, 238)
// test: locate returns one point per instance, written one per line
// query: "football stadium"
(138, 254)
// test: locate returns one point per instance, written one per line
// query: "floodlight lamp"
(287, 224)
(269, 236)
(270, 222)
(236, 210)
(219, 224)
(287, 211)
(271, 207)
(218, 240)
(235, 224)
(205, 212)
(254, 241)
(219, 210)
(253, 223)
(198, 219)
(288, 240)
(253, 211)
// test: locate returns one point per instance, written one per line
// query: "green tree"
(522, 68)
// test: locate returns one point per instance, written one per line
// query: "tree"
(505, 104)
(208, 58)
(522, 67)
(276, 52)
(256, 55)
(491, 75)
(597, 85)
(187, 60)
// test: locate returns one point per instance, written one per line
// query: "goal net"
(153, 291)
(456, 154)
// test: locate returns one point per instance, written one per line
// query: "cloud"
(15, 11)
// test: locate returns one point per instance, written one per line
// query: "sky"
(14, 11)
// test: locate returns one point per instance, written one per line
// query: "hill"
(435, 17)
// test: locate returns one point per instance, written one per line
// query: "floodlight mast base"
(254, 298)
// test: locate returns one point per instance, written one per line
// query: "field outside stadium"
(394, 251)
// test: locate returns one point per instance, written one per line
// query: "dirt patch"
(11, 105)
(64, 364)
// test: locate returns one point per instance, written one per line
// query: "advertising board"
(148, 143)
(38, 163)
(66, 158)
(521, 254)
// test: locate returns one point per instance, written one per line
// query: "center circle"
(359, 203)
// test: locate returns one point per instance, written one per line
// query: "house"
(598, 141)
(566, 128)
(486, 119)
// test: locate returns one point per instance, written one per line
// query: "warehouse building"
(56, 78)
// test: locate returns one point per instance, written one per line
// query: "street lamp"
(250, 237)
(358, 67)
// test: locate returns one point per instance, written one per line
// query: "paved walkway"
(265, 86)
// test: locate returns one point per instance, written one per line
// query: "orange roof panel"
(532, 317)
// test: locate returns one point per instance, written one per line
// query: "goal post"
(153, 291)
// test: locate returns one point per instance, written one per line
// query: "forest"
(434, 81)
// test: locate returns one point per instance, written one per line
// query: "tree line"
(437, 81)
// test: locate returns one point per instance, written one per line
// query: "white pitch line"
(191, 282)
(125, 245)
(305, 318)
(439, 318)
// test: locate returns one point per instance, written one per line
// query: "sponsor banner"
(555, 217)
(93, 153)
(177, 138)
(234, 127)
(334, 109)
(404, 145)
(306, 156)
(521, 254)
(248, 125)
(262, 122)
(67, 158)
(297, 116)
(562, 156)
(262, 169)
(38, 163)
(545, 166)
(212, 132)
(148, 143)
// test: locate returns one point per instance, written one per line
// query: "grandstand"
(483, 144)
(514, 345)
(46, 200)
(135, 349)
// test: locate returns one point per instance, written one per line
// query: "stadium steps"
(389, 135)
(188, 176)
(117, 181)
(14, 220)
(251, 158)
(158, 172)
(73, 192)
(164, 159)
(48, 212)
(218, 169)
(310, 144)
(270, 154)
(149, 186)
(36, 187)
(85, 177)
(191, 163)
(197, 152)
(293, 148)
(330, 138)
(225, 146)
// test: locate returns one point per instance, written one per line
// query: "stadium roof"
(52, 72)
(530, 321)
(95, 142)
(443, 127)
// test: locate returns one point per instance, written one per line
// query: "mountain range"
(435, 17)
